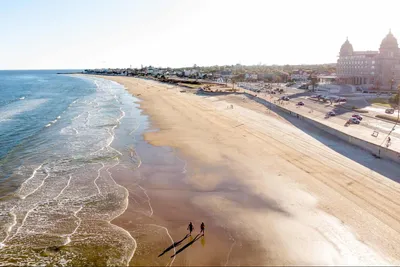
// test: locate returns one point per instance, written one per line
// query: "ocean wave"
(9, 111)
(52, 122)
(71, 198)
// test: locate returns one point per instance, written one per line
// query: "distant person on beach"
(190, 228)
(202, 228)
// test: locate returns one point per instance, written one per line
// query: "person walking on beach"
(190, 228)
(202, 228)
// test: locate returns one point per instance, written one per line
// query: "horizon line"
(308, 64)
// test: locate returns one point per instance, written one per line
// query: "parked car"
(285, 98)
(389, 111)
(331, 113)
(354, 120)
(300, 103)
(358, 117)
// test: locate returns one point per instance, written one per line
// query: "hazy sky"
(48, 34)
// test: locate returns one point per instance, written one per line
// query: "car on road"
(284, 98)
(354, 120)
(389, 111)
(357, 116)
(300, 103)
(331, 113)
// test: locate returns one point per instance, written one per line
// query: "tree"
(391, 81)
(313, 79)
(395, 99)
(278, 79)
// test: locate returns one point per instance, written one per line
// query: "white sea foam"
(68, 236)
(24, 184)
(62, 191)
(36, 189)
(72, 188)
(172, 242)
(77, 117)
(98, 176)
(148, 201)
(23, 222)
(10, 227)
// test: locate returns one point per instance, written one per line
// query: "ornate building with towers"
(379, 70)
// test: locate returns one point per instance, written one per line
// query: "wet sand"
(268, 190)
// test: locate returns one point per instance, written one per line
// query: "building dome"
(346, 49)
(389, 42)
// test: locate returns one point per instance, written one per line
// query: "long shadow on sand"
(198, 236)
(386, 168)
(177, 243)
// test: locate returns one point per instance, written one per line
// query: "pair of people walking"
(191, 228)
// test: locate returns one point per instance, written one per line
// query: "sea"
(61, 137)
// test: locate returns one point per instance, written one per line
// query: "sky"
(75, 34)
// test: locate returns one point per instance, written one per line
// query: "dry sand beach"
(271, 191)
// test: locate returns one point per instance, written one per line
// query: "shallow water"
(58, 191)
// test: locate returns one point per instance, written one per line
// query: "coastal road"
(282, 191)
(319, 109)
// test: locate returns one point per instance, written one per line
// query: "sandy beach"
(269, 190)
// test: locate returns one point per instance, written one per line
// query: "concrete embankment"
(376, 150)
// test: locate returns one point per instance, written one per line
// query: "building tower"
(346, 49)
(388, 58)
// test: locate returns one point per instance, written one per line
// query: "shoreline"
(246, 207)
(139, 220)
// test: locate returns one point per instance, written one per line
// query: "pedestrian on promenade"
(190, 228)
(202, 228)
(388, 142)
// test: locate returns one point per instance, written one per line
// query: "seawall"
(374, 149)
